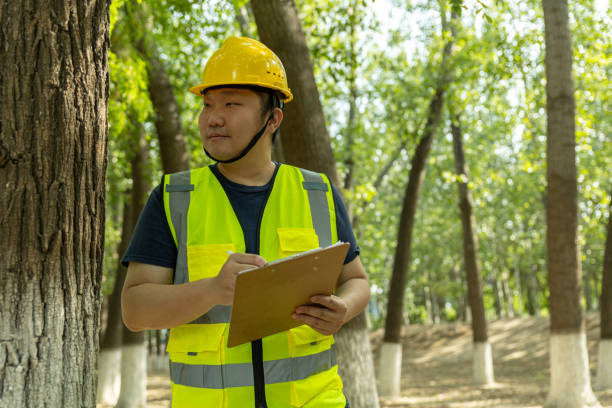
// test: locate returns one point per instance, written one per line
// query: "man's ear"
(276, 120)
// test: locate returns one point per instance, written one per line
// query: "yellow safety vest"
(299, 365)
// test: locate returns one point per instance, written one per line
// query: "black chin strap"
(252, 143)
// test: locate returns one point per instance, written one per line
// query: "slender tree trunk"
(428, 305)
(306, 143)
(172, 144)
(349, 162)
(461, 304)
(519, 287)
(587, 291)
(509, 297)
(53, 128)
(436, 307)
(570, 377)
(304, 133)
(499, 296)
(482, 356)
(243, 19)
(391, 350)
(532, 293)
(133, 350)
(109, 373)
(604, 366)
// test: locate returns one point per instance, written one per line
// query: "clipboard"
(266, 297)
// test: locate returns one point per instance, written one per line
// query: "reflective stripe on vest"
(241, 375)
(180, 186)
(319, 210)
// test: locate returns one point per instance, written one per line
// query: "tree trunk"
(53, 128)
(109, 374)
(570, 378)
(461, 303)
(508, 296)
(391, 349)
(587, 291)
(482, 363)
(519, 287)
(355, 363)
(604, 366)
(133, 351)
(243, 19)
(306, 143)
(349, 178)
(533, 300)
(498, 299)
(172, 144)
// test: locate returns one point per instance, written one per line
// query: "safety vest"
(299, 365)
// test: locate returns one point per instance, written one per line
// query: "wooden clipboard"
(266, 297)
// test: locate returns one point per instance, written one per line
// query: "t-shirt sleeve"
(152, 241)
(343, 225)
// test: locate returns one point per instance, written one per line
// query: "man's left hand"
(326, 317)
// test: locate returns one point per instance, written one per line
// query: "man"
(201, 227)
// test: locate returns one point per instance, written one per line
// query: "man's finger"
(316, 324)
(318, 312)
(330, 302)
(247, 259)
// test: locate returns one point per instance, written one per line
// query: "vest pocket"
(295, 240)
(313, 368)
(205, 261)
(304, 340)
(196, 343)
(195, 352)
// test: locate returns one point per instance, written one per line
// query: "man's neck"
(247, 172)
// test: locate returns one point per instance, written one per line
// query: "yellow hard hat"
(244, 61)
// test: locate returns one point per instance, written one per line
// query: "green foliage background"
(390, 52)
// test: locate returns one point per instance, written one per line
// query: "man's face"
(229, 119)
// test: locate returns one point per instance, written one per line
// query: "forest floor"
(437, 365)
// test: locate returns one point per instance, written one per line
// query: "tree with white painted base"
(390, 362)
(109, 359)
(570, 384)
(134, 351)
(604, 365)
(482, 366)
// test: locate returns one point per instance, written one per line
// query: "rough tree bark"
(54, 93)
(391, 353)
(306, 144)
(570, 383)
(482, 357)
(604, 366)
(133, 350)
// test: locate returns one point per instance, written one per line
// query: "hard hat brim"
(199, 89)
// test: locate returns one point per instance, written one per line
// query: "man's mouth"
(216, 136)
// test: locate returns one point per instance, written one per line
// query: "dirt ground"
(436, 370)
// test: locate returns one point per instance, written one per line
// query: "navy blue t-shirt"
(152, 241)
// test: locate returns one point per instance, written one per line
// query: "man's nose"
(215, 118)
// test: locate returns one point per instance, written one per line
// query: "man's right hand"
(225, 281)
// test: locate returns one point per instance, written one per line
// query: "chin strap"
(252, 143)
